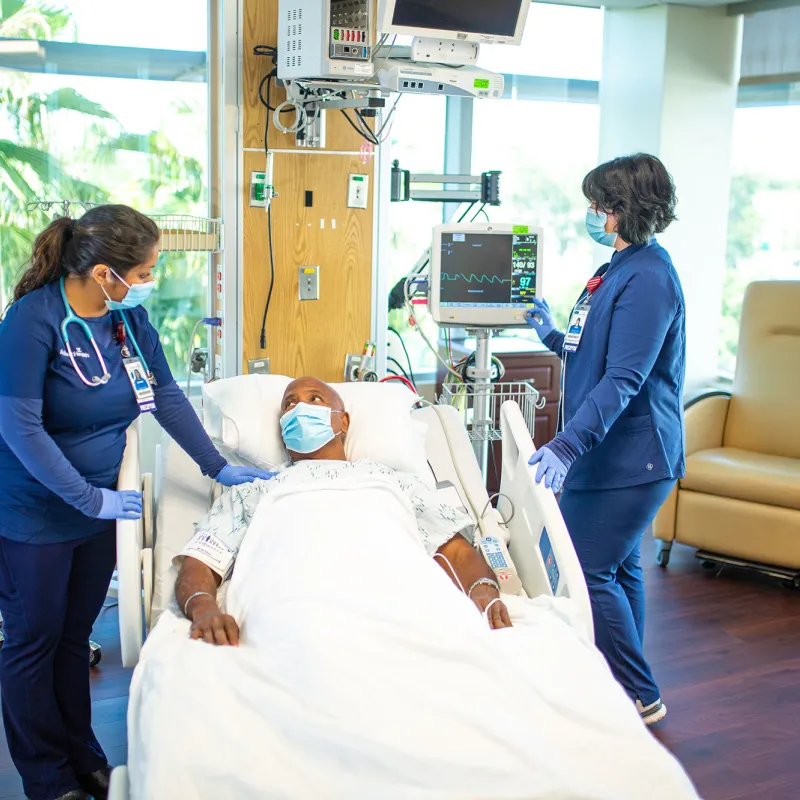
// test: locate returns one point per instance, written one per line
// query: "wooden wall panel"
(312, 336)
(303, 337)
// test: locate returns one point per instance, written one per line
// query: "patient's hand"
(212, 626)
(498, 613)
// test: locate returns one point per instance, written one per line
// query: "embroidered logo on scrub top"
(77, 352)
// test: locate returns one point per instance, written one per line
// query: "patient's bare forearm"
(467, 563)
(195, 577)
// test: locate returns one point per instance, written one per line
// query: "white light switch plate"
(358, 191)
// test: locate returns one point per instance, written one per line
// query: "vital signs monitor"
(484, 275)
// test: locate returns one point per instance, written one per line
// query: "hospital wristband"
(488, 581)
(192, 597)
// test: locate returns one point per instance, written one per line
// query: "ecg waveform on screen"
(460, 276)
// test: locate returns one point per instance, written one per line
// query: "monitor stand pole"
(482, 423)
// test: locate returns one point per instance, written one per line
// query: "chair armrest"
(705, 418)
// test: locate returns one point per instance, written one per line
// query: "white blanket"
(364, 673)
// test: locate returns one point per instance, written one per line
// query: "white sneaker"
(652, 713)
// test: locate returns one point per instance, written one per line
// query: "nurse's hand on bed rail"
(497, 616)
(120, 505)
(233, 476)
(211, 625)
(551, 468)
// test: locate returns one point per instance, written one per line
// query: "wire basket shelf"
(180, 233)
(485, 427)
(185, 234)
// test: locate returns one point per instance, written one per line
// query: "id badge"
(142, 389)
(577, 323)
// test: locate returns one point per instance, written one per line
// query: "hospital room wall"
(312, 336)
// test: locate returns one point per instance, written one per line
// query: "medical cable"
(489, 605)
(393, 376)
(400, 367)
(455, 577)
(369, 137)
(263, 334)
(405, 350)
(510, 502)
(438, 411)
(189, 365)
(427, 341)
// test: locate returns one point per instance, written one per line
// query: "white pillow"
(241, 415)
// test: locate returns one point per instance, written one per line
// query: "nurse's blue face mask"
(137, 294)
(596, 226)
(307, 428)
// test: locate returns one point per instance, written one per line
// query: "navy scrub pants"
(606, 527)
(50, 596)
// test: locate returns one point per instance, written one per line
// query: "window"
(411, 223)
(763, 230)
(72, 129)
(545, 150)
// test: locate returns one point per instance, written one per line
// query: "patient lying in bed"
(315, 422)
(363, 671)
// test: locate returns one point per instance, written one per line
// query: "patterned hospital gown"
(220, 533)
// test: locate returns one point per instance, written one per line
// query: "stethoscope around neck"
(72, 318)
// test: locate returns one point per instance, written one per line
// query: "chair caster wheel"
(95, 654)
(709, 565)
(792, 583)
(662, 554)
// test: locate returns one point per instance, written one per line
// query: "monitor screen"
(496, 18)
(488, 269)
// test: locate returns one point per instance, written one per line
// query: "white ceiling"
(747, 6)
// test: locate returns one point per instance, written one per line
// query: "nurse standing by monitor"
(621, 446)
(79, 363)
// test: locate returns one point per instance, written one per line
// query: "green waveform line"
(475, 278)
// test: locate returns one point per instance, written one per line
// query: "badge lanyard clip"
(580, 313)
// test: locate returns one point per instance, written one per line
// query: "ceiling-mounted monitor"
(482, 21)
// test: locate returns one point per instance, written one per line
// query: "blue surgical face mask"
(306, 428)
(596, 226)
(137, 294)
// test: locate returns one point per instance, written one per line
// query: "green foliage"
(164, 179)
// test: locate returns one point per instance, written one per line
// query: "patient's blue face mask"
(596, 226)
(307, 428)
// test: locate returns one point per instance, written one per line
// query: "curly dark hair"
(638, 190)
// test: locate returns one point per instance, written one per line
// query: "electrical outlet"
(308, 283)
(358, 191)
(352, 363)
(258, 366)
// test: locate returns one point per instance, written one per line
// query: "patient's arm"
(469, 566)
(208, 622)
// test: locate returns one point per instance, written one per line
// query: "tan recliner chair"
(740, 500)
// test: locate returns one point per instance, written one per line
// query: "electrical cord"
(400, 367)
(405, 350)
(510, 502)
(369, 138)
(189, 366)
(263, 334)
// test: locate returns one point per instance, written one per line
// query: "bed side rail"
(132, 554)
(540, 543)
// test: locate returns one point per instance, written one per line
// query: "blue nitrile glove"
(551, 468)
(120, 505)
(540, 318)
(233, 476)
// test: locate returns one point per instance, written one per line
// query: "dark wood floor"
(725, 650)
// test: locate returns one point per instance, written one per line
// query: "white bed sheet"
(357, 681)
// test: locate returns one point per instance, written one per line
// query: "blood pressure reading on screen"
(488, 269)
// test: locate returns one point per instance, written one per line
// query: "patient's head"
(313, 421)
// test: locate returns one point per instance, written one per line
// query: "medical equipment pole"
(482, 423)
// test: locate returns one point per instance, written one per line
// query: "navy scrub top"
(43, 403)
(623, 388)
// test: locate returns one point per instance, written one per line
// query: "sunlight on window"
(109, 140)
(543, 163)
(763, 231)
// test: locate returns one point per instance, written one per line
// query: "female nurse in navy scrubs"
(71, 346)
(621, 447)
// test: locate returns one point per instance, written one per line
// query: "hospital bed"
(178, 496)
